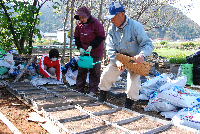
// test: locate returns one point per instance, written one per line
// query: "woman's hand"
(53, 77)
(74, 78)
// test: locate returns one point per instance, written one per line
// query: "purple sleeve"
(76, 33)
(99, 29)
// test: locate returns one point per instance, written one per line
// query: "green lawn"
(172, 52)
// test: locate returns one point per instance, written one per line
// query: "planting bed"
(82, 125)
(147, 124)
(65, 114)
(90, 116)
(117, 116)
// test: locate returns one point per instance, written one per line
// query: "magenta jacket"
(90, 32)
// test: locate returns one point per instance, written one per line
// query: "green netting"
(186, 69)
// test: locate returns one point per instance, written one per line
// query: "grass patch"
(172, 52)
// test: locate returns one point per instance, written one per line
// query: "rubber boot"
(129, 103)
(102, 96)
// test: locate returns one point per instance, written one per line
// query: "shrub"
(177, 60)
(188, 44)
(163, 42)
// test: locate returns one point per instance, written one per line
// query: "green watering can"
(86, 61)
(2, 52)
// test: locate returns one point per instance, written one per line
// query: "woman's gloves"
(89, 49)
(81, 51)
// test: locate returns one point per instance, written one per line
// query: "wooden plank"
(50, 127)
(9, 124)
(24, 69)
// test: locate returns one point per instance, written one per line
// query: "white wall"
(60, 37)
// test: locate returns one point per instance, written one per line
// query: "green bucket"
(186, 69)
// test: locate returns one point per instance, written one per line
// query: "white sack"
(180, 97)
(159, 105)
(188, 117)
(180, 81)
(153, 84)
(169, 114)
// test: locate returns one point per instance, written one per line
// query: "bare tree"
(151, 13)
(72, 23)
(64, 30)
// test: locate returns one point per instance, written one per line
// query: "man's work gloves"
(81, 51)
(89, 49)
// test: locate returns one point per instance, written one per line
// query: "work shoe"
(102, 96)
(129, 103)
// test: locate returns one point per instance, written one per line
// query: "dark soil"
(17, 113)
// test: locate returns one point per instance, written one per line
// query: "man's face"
(83, 19)
(118, 19)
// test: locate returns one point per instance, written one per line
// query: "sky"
(194, 13)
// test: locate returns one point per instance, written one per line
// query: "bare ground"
(17, 112)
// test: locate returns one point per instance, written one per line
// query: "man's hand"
(120, 66)
(81, 51)
(89, 49)
(139, 59)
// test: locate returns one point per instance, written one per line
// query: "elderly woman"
(89, 35)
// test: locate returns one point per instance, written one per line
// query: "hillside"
(184, 29)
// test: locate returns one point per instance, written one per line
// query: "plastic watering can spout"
(87, 61)
(96, 62)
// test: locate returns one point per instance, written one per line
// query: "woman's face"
(83, 19)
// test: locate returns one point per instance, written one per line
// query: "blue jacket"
(131, 40)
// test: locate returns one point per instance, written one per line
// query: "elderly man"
(128, 37)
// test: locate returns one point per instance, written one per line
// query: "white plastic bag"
(159, 105)
(152, 85)
(169, 114)
(179, 97)
(180, 81)
(9, 59)
(188, 117)
(143, 97)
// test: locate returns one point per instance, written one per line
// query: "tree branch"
(11, 26)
